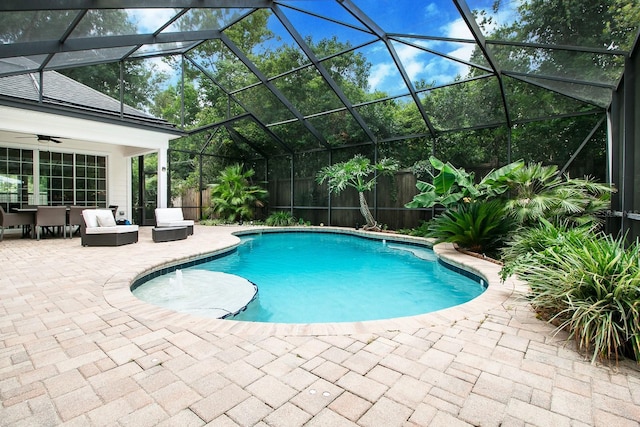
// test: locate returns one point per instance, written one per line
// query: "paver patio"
(76, 348)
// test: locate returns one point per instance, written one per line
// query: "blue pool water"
(307, 277)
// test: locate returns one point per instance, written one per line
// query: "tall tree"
(141, 79)
(305, 89)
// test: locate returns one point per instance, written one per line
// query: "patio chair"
(75, 218)
(13, 219)
(172, 217)
(99, 228)
(51, 216)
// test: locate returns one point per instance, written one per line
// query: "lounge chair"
(172, 217)
(99, 228)
(13, 219)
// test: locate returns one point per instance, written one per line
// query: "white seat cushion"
(91, 216)
(176, 223)
(116, 229)
(94, 218)
(171, 217)
(168, 214)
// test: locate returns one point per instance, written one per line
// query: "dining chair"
(51, 216)
(13, 219)
(75, 218)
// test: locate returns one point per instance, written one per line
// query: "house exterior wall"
(118, 143)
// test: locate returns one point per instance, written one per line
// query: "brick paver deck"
(77, 349)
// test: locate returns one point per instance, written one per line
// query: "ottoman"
(168, 234)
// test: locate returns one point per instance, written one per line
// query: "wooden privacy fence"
(190, 203)
(311, 202)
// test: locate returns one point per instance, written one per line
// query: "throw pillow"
(106, 219)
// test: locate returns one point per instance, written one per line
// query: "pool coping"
(117, 292)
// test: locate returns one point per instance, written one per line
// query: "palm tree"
(233, 197)
(360, 174)
(538, 191)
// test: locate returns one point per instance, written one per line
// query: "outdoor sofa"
(99, 228)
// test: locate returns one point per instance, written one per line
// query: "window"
(64, 179)
(16, 177)
(56, 178)
(91, 180)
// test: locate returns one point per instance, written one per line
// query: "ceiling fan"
(47, 138)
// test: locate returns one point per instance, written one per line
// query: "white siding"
(18, 128)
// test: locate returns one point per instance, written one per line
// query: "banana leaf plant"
(451, 186)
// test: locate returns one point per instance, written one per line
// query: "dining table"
(30, 230)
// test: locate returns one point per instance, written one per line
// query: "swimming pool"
(311, 277)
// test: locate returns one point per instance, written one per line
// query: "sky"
(437, 18)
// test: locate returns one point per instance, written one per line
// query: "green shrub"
(480, 227)
(420, 231)
(588, 284)
(233, 196)
(280, 219)
(301, 221)
(358, 173)
(545, 235)
(213, 221)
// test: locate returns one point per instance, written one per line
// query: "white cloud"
(463, 52)
(421, 65)
(149, 20)
(379, 73)
(162, 66)
(431, 9)
(409, 56)
(457, 29)
(506, 15)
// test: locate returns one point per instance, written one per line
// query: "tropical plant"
(538, 191)
(451, 185)
(538, 238)
(589, 285)
(280, 219)
(477, 226)
(233, 196)
(421, 230)
(301, 221)
(360, 174)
